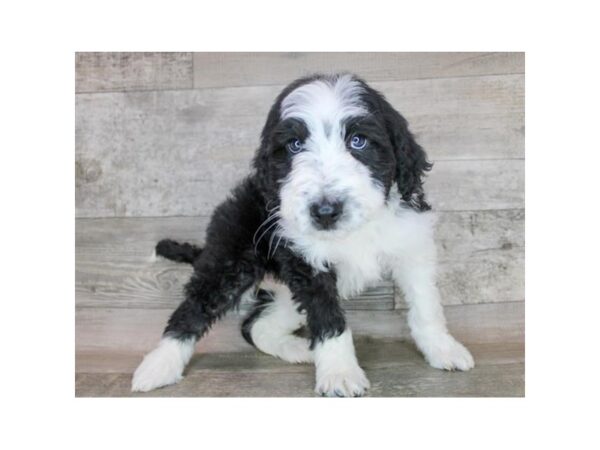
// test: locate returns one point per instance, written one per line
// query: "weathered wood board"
(115, 340)
(115, 266)
(179, 152)
(131, 71)
(481, 256)
(480, 260)
(254, 69)
(394, 368)
(126, 71)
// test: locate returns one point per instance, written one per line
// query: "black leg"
(316, 292)
(318, 297)
(227, 266)
(213, 290)
(337, 369)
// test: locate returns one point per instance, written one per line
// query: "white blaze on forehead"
(325, 168)
(325, 103)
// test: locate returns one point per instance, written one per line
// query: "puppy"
(335, 200)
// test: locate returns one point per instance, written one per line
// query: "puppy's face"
(331, 151)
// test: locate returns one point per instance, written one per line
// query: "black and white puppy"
(334, 202)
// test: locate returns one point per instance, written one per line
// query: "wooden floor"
(394, 368)
(111, 342)
(124, 297)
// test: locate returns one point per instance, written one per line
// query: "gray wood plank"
(159, 285)
(481, 256)
(480, 260)
(179, 152)
(473, 118)
(115, 340)
(115, 266)
(476, 185)
(130, 71)
(251, 69)
(395, 369)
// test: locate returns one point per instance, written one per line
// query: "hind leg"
(271, 325)
(213, 290)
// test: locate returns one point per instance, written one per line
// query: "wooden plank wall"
(161, 138)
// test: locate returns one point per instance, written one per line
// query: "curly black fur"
(411, 159)
(186, 253)
(233, 260)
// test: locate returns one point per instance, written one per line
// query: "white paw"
(162, 366)
(351, 382)
(445, 352)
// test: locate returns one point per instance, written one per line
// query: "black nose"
(325, 213)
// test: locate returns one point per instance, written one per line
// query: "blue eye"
(358, 142)
(294, 146)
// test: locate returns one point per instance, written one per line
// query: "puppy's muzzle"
(325, 214)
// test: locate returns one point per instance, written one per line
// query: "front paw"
(446, 353)
(350, 382)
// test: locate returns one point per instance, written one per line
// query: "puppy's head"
(331, 150)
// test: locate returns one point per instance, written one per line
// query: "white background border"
(37, 174)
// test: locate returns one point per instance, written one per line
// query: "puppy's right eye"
(294, 146)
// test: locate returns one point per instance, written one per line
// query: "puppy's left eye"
(358, 142)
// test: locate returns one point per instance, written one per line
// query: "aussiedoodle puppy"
(335, 201)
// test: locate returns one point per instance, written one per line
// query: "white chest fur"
(392, 237)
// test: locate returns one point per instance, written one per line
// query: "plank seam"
(83, 218)
(283, 85)
(365, 311)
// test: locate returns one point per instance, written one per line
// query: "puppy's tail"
(186, 253)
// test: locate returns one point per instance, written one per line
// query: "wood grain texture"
(127, 71)
(480, 260)
(476, 185)
(481, 256)
(253, 69)
(112, 340)
(179, 152)
(115, 266)
(395, 369)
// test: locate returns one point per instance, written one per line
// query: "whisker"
(271, 209)
(267, 220)
(279, 240)
(262, 235)
(273, 235)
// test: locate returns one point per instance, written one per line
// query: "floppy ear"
(411, 159)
